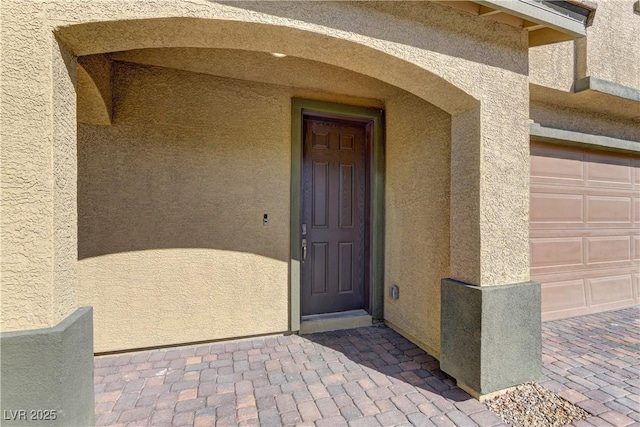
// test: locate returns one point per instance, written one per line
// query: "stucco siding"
(589, 122)
(609, 52)
(417, 216)
(404, 50)
(37, 169)
(170, 205)
(504, 185)
(612, 43)
(171, 197)
(553, 65)
(218, 153)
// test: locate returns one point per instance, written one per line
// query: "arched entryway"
(216, 91)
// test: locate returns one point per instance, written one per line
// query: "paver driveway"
(594, 362)
(359, 377)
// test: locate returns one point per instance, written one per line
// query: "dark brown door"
(333, 215)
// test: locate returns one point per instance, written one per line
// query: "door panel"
(320, 191)
(345, 269)
(319, 268)
(333, 213)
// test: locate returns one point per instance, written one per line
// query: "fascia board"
(585, 140)
(534, 11)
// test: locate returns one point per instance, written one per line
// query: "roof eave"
(558, 26)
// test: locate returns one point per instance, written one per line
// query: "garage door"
(584, 229)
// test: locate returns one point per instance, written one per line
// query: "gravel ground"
(531, 405)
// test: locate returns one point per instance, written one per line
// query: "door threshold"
(335, 321)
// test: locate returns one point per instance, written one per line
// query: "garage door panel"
(580, 271)
(609, 210)
(611, 289)
(563, 295)
(556, 252)
(575, 304)
(584, 229)
(608, 249)
(566, 169)
(557, 208)
(549, 150)
(603, 170)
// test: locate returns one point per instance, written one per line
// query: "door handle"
(304, 250)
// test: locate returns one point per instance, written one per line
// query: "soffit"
(545, 21)
(260, 67)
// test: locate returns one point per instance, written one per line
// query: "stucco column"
(465, 197)
(490, 193)
(47, 341)
(490, 324)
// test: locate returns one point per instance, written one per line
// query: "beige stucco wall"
(95, 99)
(171, 198)
(457, 62)
(37, 173)
(553, 65)
(609, 52)
(417, 216)
(494, 57)
(589, 122)
(170, 204)
(612, 43)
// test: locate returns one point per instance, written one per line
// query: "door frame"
(375, 215)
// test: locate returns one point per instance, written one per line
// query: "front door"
(334, 203)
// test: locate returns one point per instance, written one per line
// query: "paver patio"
(359, 377)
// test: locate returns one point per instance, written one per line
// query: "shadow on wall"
(148, 193)
(187, 164)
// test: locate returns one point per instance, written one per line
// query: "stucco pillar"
(490, 193)
(47, 341)
(490, 319)
(465, 197)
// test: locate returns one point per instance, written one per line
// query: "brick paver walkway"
(359, 377)
(594, 362)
